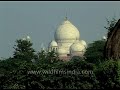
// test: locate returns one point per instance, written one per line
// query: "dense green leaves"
(95, 52)
(107, 74)
(47, 71)
(23, 50)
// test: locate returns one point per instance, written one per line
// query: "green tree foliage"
(84, 76)
(23, 50)
(18, 77)
(47, 59)
(95, 52)
(107, 75)
(78, 73)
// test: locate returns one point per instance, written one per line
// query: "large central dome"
(67, 31)
(67, 41)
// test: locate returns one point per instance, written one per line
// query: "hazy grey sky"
(40, 19)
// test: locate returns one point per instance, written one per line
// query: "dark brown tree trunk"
(112, 47)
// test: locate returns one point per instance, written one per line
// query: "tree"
(110, 25)
(83, 76)
(24, 50)
(107, 74)
(95, 52)
(46, 57)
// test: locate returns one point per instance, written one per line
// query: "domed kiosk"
(53, 46)
(67, 41)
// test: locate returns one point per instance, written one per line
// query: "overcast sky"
(40, 19)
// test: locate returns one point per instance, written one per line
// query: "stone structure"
(112, 47)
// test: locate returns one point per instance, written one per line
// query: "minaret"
(42, 47)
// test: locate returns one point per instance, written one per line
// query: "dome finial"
(66, 18)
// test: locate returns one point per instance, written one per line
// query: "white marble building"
(67, 41)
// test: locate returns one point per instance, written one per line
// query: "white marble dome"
(83, 42)
(53, 44)
(67, 31)
(77, 47)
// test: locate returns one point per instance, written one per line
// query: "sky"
(40, 19)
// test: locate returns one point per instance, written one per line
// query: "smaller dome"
(62, 51)
(104, 38)
(28, 37)
(83, 42)
(77, 47)
(53, 44)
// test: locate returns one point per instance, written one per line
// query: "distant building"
(67, 41)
